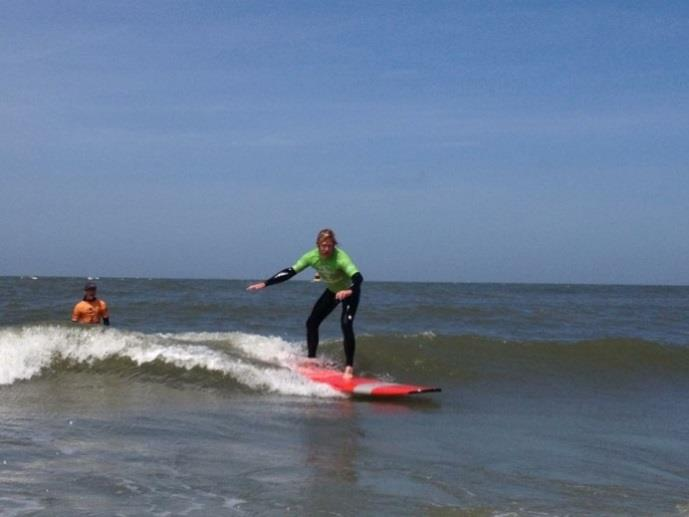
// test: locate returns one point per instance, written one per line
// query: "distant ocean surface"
(557, 400)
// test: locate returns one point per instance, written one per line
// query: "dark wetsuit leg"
(324, 306)
(349, 307)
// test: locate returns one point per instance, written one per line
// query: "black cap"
(89, 286)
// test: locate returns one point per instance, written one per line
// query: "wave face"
(448, 359)
(237, 360)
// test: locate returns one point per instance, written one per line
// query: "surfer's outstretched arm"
(277, 278)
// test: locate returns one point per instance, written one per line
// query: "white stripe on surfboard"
(367, 389)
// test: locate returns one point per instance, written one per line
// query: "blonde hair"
(326, 233)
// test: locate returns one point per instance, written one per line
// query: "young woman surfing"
(343, 285)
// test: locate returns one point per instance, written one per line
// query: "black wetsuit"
(323, 307)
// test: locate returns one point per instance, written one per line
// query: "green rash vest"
(336, 271)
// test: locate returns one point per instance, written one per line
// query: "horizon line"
(455, 282)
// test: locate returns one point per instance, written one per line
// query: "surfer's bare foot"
(348, 373)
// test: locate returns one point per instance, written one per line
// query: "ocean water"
(557, 400)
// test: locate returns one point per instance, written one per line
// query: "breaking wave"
(255, 362)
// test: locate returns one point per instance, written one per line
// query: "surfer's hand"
(341, 295)
(256, 287)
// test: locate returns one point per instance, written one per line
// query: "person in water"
(91, 310)
(343, 285)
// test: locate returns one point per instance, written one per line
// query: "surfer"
(91, 310)
(343, 285)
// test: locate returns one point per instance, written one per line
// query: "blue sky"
(443, 141)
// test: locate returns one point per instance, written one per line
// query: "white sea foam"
(27, 351)
(271, 349)
(426, 334)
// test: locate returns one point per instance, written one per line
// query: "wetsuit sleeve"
(357, 279)
(281, 276)
(106, 321)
